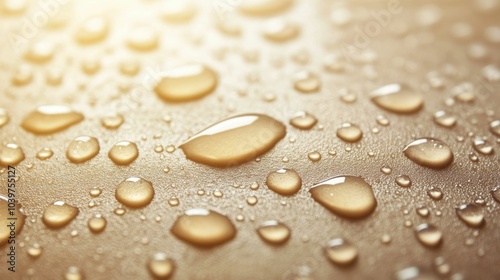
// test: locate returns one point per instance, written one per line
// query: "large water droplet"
(341, 252)
(416, 273)
(472, 215)
(44, 153)
(398, 98)
(428, 235)
(135, 192)
(50, 118)
(186, 83)
(303, 120)
(5, 214)
(59, 214)
(203, 227)
(123, 152)
(435, 193)
(483, 147)
(161, 266)
(35, 250)
(10, 154)
(274, 232)
(429, 152)
(178, 11)
(264, 7)
(82, 149)
(349, 133)
(284, 181)
(306, 82)
(234, 140)
(92, 30)
(347, 196)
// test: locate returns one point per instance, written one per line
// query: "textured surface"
(403, 51)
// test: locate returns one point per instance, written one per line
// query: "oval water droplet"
(274, 232)
(398, 98)
(444, 119)
(186, 83)
(483, 147)
(203, 227)
(306, 82)
(5, 210)
(284, 181)
(303, 120)
(44, 153)
(429, 152)
(347, 196)
(435, 193)
(123, 152)
(92, 30)
(135, 192)
(10, 154)
(403, 181)
(280, 30)
(142, 39)
(82, 149)
(50, 118)
(112, 121)
(428, 235)
(59, 214)
(73, 273)
(161, 266)
(341, 252)
(472, 215)
(264, 7)
(349, 133)
(234, 140)
(97, 223)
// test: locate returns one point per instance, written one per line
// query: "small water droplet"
(428, 235)
(264, 7)
(483, 147)
(35, 250)
(472, 215)
(4, 117)
(423, 211)
(254, 186)
(48, 119)
(10, 154)
(280, 30)
(494, 127)
(415, 273)
(341, 252)
(347, 196)
(178, 11)
(135, 192)
(112, 121)
(82, 149)
(173, 201)
(203, 227)
(73, 273)
(119, 211)
(92, 30)
(444, 119)
(385, 239)
(382, 120)
(314, 156)
(491, 73)
(59, 214)
(284, 181)
(252, 200)
(44, 153)
(349, 133)
(495, 193)
(4, 219)
(463, 92)
(398, 98)
(435, 193)
(403, 181)
(123, 152)
(274, 232)
(429, 152)
(40, 52)
(306, 82)
(97, 223)
(161, 266)
(303, 120)
(218, 194)
(386, 170)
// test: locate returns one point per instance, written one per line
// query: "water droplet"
(203, 227)
(306, 82)
(73, 273)
(173, 201)
(415, 273)
(123, 152)
(23, 75)
(264, 7)
(4, 117)
(472, 215)
(90, 65)
(40, 52)
(386, 239)
(130, 66)
(284, 181)
(48, 119)
(82, 149)
(170, 148)
(178, 11)
(423, 211)
(341, 16)
(10, 154)
(161, 266)
(119, 211)
(347, 196)
(4, 218)
(254, 186)
(95, 192)
(314, 156)
(429, 152)
(444, 119)
(97, 223)
(135, 192)
(112, 121)
(303, 120)
(35, 250)
(483, 147)
(341, 252)
(274, 232)
(428, 235)
(473, 157)
(234, 140)
(142, 39)
(491, 73)
(441, 266)
(349, 133)
(92, 30)
(495, 193)
(280, 30)
(403, 181)
(382, 120)
(59, 214)
(494, 127)
(186, 83)
(435, 193)
(386, 170)
(252, 200)
(44, 153)
(463, 92)
(398, 98)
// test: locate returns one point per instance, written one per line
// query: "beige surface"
(121, 251)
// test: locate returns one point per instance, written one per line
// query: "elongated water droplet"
(398, 98)
(112, 121)
(50, 118)
(349, 133)
(5, 222)
(142, 39)
(444, 119)
(82, 149)
(59, 214)
(44, 153)
(161, 266)
(341, 252)
(280, 30)
(428, 235)
(483, 147)
(203, 227)
(186, 83)
(347, 196)
(11, 154)
(314, 156)
(264, 7)
(92, 30)
(284, 181)
(135, 192)
(494, 127)
(274, 232)
(234, 140)
(403, 181)
(123, 152)
(303, 120)
(423, 211)
(472, 215)
(306, 82)
(429, 152)
(97, 223)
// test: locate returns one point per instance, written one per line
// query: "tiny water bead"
(483, 147)
(347, 196)
(274, 232)
(40, 52)
(35, 250)
(435, 193)
(135, 192)
(341, 252)
(59, 214)
(303, 120)
(73, 273)
(382, 120)
(48, 119)
(264, 7)
(10, 154)
(82, 149)
(4, 117)
(142, 39)
(494, 127)
(306, 82)
(97, 223)
(472, 215)
(92, 30)
(444, 119)
(284, 181)
(403, 181)
(398, 98)
(129, 67)
(349, 133)
(314, 156)
(44, 153)
(123, 152)
(186, 83)
(5, 211)
(280, 30)
(112, 121)
(429, 152)
(428, 235)
(423, 211)
(161, 266)
(203, 227)
(495, 193)
(234, 140)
